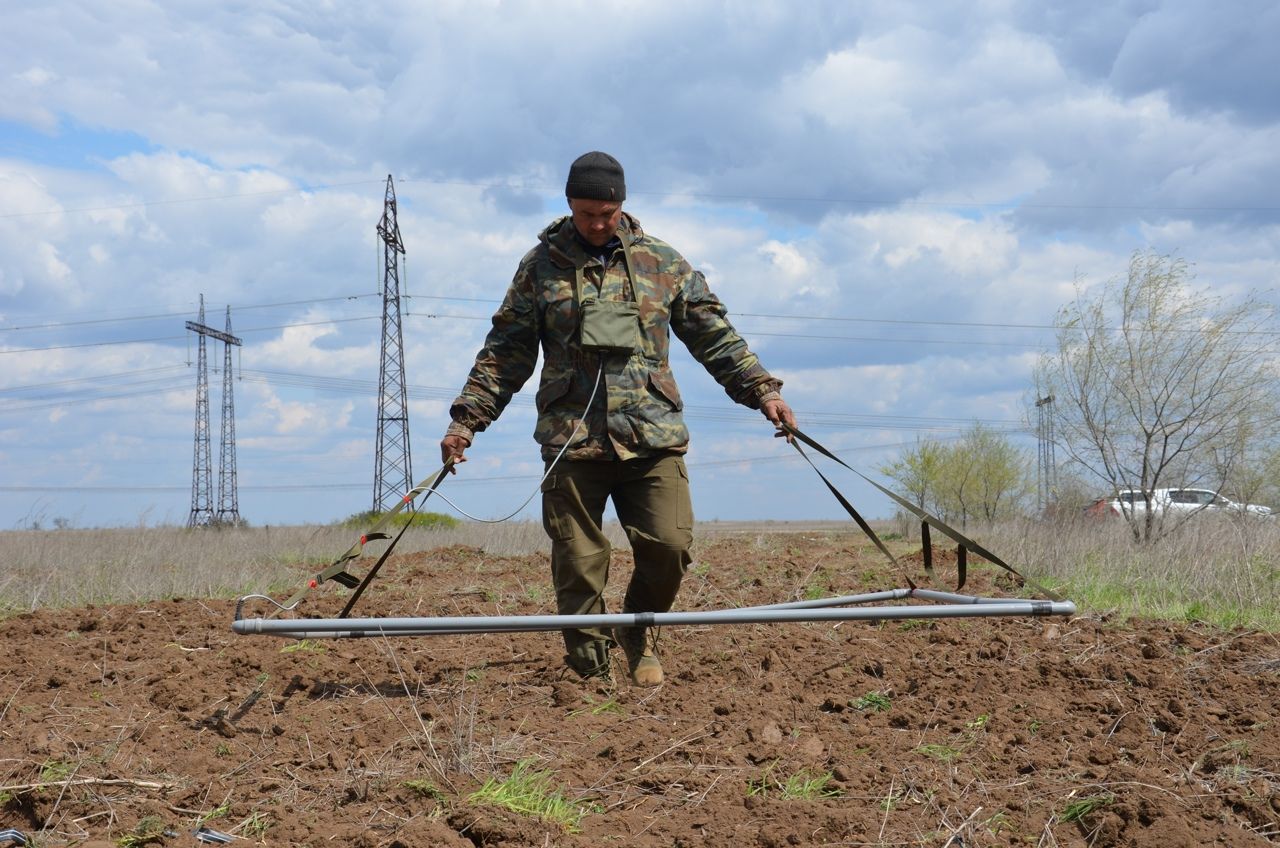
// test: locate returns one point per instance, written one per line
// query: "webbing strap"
(337, 570)
(853, 513)
(963, 541)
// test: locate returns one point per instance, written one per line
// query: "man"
(601, 297)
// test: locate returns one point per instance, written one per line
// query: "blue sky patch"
(74, 145)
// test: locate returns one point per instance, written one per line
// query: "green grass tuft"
(529, 792)
(1082, 808)
(802, 785)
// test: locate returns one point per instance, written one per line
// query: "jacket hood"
(566, 248)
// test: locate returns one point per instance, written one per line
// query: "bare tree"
(1160, 385)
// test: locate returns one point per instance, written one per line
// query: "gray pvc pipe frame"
(950, 606)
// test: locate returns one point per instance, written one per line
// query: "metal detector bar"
(337, 628)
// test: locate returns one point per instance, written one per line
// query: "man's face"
(596, 220)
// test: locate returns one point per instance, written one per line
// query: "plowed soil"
(133, 725)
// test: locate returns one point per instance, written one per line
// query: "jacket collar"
(567, 250)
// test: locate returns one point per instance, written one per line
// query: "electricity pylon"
(1046, 460)
(202, 512)
(201, 473)
(393, 467)
(228, 489)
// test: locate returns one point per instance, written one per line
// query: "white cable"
(550, 468)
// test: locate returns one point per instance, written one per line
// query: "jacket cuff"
(456, 429)
(768, 390)
(772, 394)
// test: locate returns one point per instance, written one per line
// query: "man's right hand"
(453, 447)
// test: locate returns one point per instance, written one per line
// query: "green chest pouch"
(609, 326)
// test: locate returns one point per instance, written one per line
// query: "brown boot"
(638, 643)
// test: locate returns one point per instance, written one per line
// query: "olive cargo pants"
(651, 497)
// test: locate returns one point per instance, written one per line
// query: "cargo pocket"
(553, 390)
(662, 384)
(557, 518)
(684, 502)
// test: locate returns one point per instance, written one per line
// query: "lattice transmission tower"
(228, 487)
(201, 470)
(393, 466)
(1046, 460)
(202, 509)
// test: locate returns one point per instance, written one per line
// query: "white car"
(1174, 502)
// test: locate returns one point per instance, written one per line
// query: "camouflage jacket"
(637, 408)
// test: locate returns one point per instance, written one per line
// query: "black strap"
(964, 542)
(853, 513)
(337, 570)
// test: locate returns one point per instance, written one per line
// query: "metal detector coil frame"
(944, 604)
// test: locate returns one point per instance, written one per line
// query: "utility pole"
(393, 467)
(1046, 460)
(202, 512)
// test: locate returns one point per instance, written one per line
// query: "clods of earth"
(155, 724)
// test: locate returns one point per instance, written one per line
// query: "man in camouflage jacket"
(627, 445)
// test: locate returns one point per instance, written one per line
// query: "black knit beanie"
(596, 176)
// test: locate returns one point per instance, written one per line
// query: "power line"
(748, 332)
(348, 385)
(979, 325)
(180, 338)
(721, 413)
(457, 480)
(167, 315)
(93, 381)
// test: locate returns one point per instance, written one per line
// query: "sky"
(893, 200)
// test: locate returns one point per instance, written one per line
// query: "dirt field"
(135, 725)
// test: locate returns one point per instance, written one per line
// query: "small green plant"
(802, 785)
(1234, 773)
(304, 646)
(222, 750)
(997, 823)
(424, 788)
(892, 799)
(529, 792)
(1082, 808)
(471, 675)
(216, 813)
(257, 824)
(872, 702)
(942, 753)
(149, 829)
(56, 771)
(535, 593)
(607, 706)
(979, 724)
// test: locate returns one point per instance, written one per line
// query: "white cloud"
(866, 165)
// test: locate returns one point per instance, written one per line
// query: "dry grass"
(1221, 571)
(75, 567)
